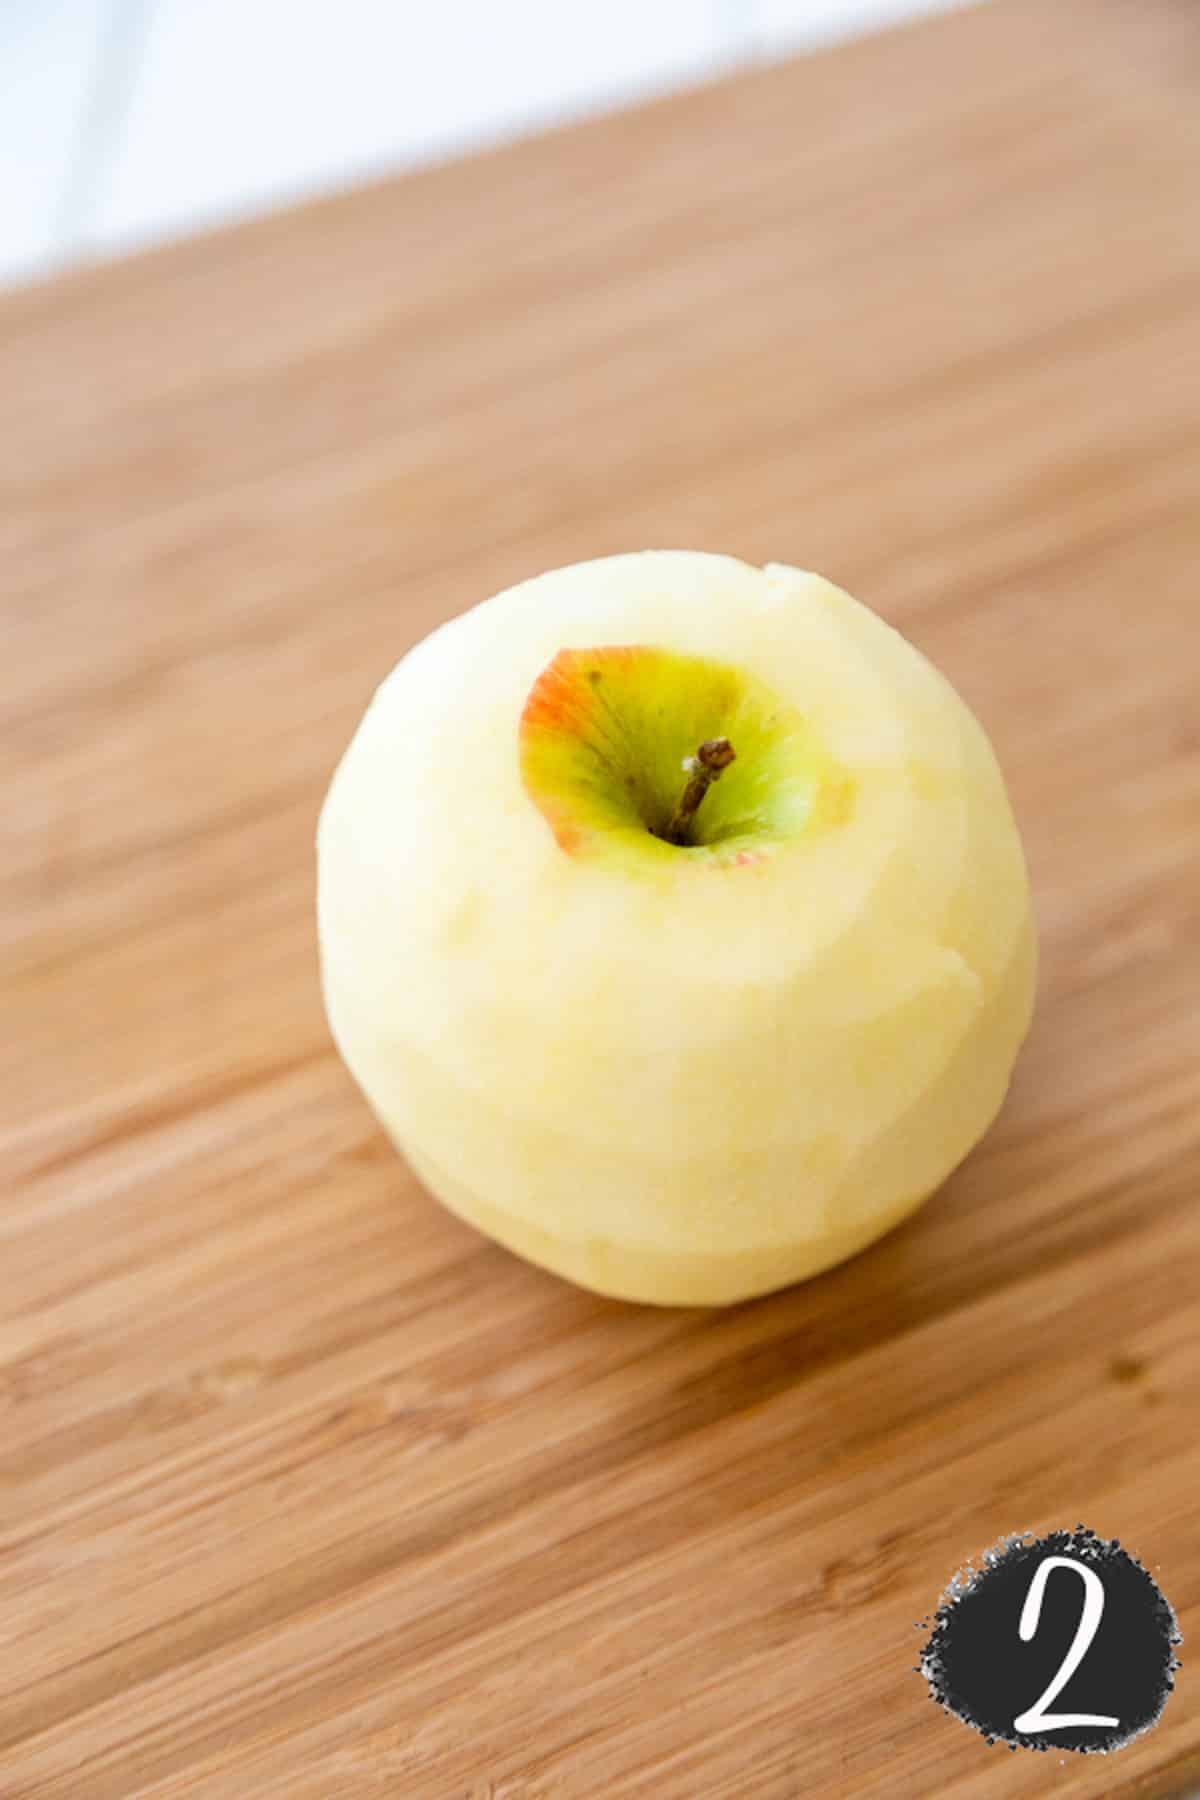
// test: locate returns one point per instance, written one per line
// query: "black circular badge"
(1055, 1643)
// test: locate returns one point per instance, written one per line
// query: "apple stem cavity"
(709, 763)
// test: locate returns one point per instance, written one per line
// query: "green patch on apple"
(608, 741)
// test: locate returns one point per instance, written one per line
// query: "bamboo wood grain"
(304, 1489)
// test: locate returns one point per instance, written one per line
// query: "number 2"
(1034, 1719)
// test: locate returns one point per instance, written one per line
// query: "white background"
(127, 121)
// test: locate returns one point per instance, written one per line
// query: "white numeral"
(1035, 1719)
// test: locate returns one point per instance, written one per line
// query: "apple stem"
(710, 760)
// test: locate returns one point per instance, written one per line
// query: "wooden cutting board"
(306, 1490)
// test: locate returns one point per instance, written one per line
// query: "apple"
(674, 922)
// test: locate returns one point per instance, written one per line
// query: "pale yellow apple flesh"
(675, 1073)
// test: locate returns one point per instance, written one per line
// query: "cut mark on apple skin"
(607, 733)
